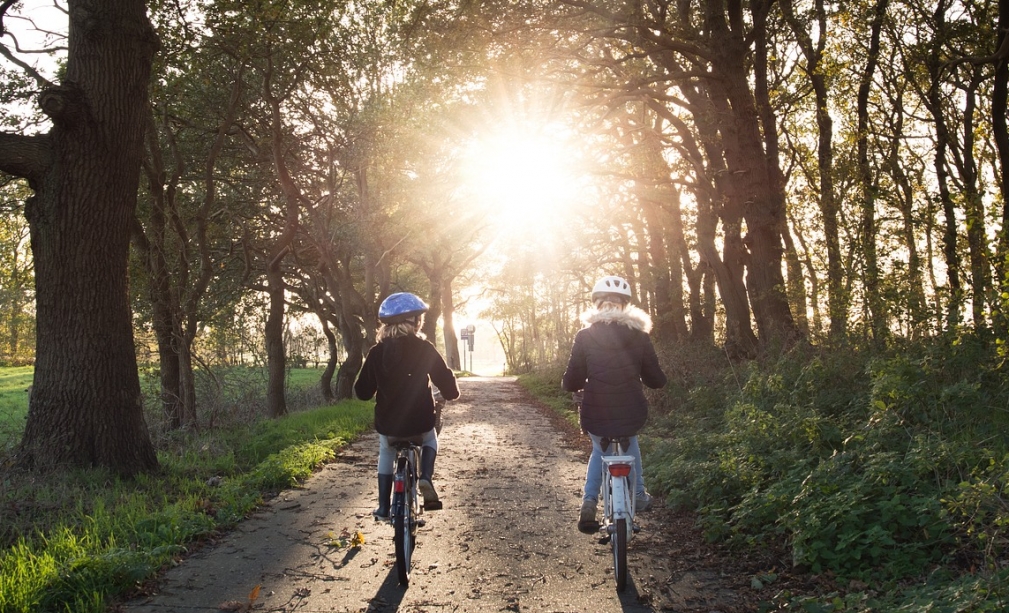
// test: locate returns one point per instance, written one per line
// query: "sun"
(521, 178)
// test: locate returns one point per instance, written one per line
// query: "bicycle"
(618, 503)
(439, 404)
(406, 508)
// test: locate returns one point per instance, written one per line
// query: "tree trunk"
(187, 380)
(448, 327)
(435, 284)
(916, 301)
(674, 267)
(977, 240)
(86, 407)
(275, 286)
(164, 320)
(171, 394)
(151, 244)
(353, 343)
(752, 192)
(837, 299)
(667, 306)
(19, 278)
(656, 190)
(326, 380)
(726, 268)
(1000, 131)
(796, 282)
(795, 289)
(942, 137)
(877, 323)
(276, 358)
(814, 284)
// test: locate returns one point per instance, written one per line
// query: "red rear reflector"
(620, 470)
(399, 486)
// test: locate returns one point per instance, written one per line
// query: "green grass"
(14, 398)
(545, 385)
(75, 541)
(14, 382)
(303, 378)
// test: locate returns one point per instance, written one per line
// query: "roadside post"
(467, 335)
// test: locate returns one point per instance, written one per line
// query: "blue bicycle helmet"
(400, 307)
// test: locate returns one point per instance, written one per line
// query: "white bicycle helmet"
(611, 285)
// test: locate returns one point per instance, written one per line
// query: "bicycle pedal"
(605, 540)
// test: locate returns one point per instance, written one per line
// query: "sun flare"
(521, 179)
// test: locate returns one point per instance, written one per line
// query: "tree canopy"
(763, 173)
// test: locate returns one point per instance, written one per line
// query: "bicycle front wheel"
(618, 541)
(403, 538)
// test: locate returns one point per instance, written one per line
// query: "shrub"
(867, 464)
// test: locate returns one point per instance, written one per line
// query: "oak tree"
(86, 406)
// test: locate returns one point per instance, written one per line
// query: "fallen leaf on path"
(346, 539)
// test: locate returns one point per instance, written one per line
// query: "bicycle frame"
(618, 492)
(405, 478)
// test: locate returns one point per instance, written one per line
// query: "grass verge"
(14, 384)
(75, 541)
(545, 385)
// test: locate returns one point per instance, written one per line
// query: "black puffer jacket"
(401, 371)
(610, 359)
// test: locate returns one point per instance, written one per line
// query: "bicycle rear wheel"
(404, 547)
(618, 541)
(403, 527)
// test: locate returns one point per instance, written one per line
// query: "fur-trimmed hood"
(611, 359)
(631, 316)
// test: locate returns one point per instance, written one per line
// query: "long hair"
(610, 302)
(402, 328)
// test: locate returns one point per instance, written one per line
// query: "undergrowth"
(884, 470)
(74, 541)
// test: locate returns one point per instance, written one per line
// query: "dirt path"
(505, 541)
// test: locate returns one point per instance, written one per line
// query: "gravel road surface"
(505, 541)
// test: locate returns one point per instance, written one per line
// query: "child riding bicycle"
(400, 369)
(610, 360)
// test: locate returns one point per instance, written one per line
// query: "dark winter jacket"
(610, 359)
(401, 371)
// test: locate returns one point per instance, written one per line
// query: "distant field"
(13, 402)
(14, 383)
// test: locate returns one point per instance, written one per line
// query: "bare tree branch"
(42, 82)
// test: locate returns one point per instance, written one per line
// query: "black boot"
(431, 502)
(384, 495)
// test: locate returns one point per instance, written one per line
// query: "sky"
(37, 25)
